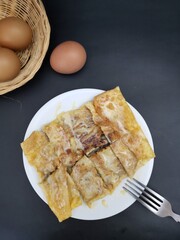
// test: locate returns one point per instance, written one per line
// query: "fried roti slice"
(112, 107)
(109, 167)
(88, 137)
(41, 154)
(75, 147)
(125, 156)
(108, 131)
(33, 144)
(57, 194)
(58, 136)
(88, 133)
(88, 181)
(74, 195)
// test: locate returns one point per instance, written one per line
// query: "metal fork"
(150, 199)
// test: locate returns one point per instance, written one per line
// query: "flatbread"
(109, 167)
(125, 156)
(88, 136)
(88, 181)
(112, 107)
(57, 194)
(42, 154)
(74, 195)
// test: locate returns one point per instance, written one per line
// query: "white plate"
(110, 205)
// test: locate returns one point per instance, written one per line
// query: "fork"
(150, 199)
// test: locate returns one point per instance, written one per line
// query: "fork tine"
(134, 190)
(141, 201)
(147, 195)
(135, 185)
(144, 196)
(156, 195)
(132, 194)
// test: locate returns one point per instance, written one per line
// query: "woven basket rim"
(35, 62)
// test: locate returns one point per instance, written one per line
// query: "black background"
(131, 44)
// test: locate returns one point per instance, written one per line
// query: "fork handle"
(175, 216)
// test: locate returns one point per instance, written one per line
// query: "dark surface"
(133, 44)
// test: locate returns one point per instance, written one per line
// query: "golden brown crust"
(34, 143)
(74, 195)
(56, 191)
(113, 108)
(87, 135)
(125, 156)
(88, 181)
(109, 167)
(64, 119)
(108, 131)
(57, 135)
(41, 153)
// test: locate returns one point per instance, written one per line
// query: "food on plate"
(68, 57)
(88, 135)
(9, 64)
(112, 107)
(108, 131)
(88, 181)
(75, 145)
(42, 154)
(109, 167)
(83, 154)
(125, 156)
(16, 34)
(58, 134)
(57, 193)
(74, 195)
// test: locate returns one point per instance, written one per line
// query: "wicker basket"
(33, 12)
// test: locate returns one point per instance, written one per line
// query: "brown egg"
(15, 33)
(68, 57)
(9, 65)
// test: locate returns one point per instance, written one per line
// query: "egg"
(68, 57)
(16, 34)
(9, 64)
